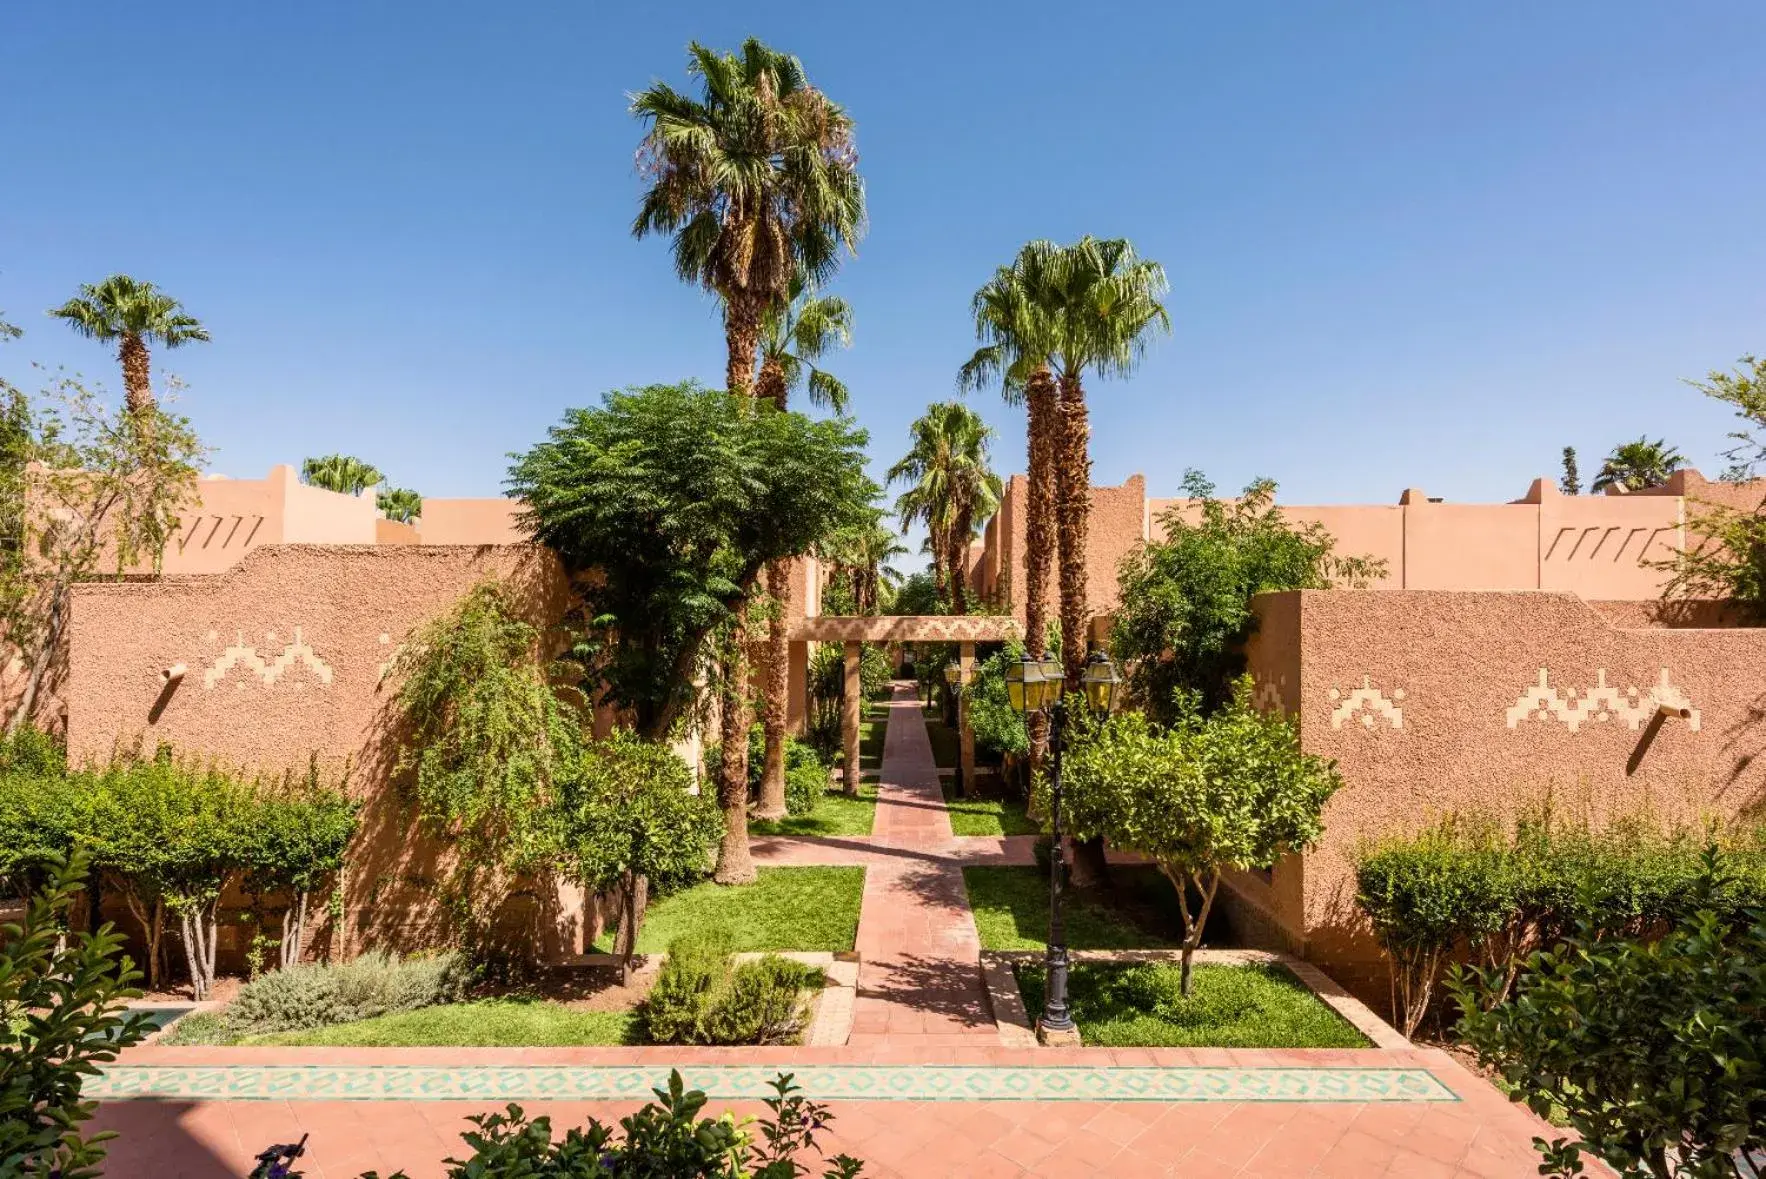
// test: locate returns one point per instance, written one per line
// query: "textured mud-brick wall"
(1436, 701)
(284, 655)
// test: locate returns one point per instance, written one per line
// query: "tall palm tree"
(1634, 466)
(862, 556)
(794, 335)
(1017, 330)
(1104, 304)
(343, 473)
(134, 314)
(953, 488)
(757, 181)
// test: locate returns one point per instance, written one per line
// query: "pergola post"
(851, 701)
(965, 734)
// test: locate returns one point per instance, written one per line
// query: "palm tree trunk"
(1042, 397)
(959, 560)
(734, 865)
(1073, 523)
(741, 339)
(137, 391)
(776, 681)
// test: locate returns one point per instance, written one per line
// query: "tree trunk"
(959, 560)
(1042, 397)
(734, 865)
(634, 898)
(770, 386)
(776, 679)
(137, 389)
(1073, 522)
(742, 339)
(294, 930)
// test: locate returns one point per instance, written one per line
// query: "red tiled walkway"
(920, 973)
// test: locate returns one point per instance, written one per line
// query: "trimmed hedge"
(1470, 888)
(703, 997)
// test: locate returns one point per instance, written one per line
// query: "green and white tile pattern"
(826, 1082)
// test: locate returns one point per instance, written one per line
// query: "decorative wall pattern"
(908, 628)
(1267, 695)
(1599, 704)
(1368, 704)
(267, 670)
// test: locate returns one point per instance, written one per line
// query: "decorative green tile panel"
(824, 1082)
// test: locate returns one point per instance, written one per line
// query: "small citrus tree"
(1228, 790)
(630, 817)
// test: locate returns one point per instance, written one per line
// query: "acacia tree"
(952, 488)
(794, 335)
(666, 501)
(631, 819)
(134, 314)
(1186, 600)
(1208, 793)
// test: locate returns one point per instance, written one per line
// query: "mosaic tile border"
(826, 1082)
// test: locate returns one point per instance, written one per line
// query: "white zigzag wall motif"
(1600, 703)
(271, 670)
(1266, 695)
(1369, 702)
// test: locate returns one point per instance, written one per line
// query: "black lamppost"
(1035, 685)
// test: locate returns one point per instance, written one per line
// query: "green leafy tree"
(63, 1012)
(668, 500)
(917, 596)
(1186, 600)
(1211, 792)
(134, 314)
(1726, 557)
(632, 818)
(1650, 1050)
(1744, 389)
(999, 730)
(862, 556)
(343, 473)
(400, 504)
(1634, 466)
(298, 838)
(485, 736)
(756, 181)
(952, 489)
(88, 494)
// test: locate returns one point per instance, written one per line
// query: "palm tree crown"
(793, 336)
(135, 314)
(343, 473)
(400, 504)
(1634, 466)
(953, 487)
(756, 179)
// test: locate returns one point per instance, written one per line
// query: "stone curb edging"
(1017, 1030)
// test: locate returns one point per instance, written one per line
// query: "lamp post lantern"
(1035, 685)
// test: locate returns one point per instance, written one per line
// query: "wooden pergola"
(965, 630)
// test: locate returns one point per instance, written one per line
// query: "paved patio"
(923, 1088)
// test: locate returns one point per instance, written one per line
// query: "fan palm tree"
(794, 335)
(953, 488)
(757, 181)
(343, 473)
(400, 504)
(1103, 303)
(862, 556)
(1634, 466)
(1018, 345)
(134, 314)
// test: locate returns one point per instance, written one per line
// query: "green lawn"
(1011, 907)
(786, 909)
(838, 813)
(945, 752)
(1138, 1005)
(870, 743)
(986, 816)
(486, 1023)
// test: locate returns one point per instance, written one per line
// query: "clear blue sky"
(1410, 243)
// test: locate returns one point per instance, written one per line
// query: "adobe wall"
(284, 654)
(1435, 701)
